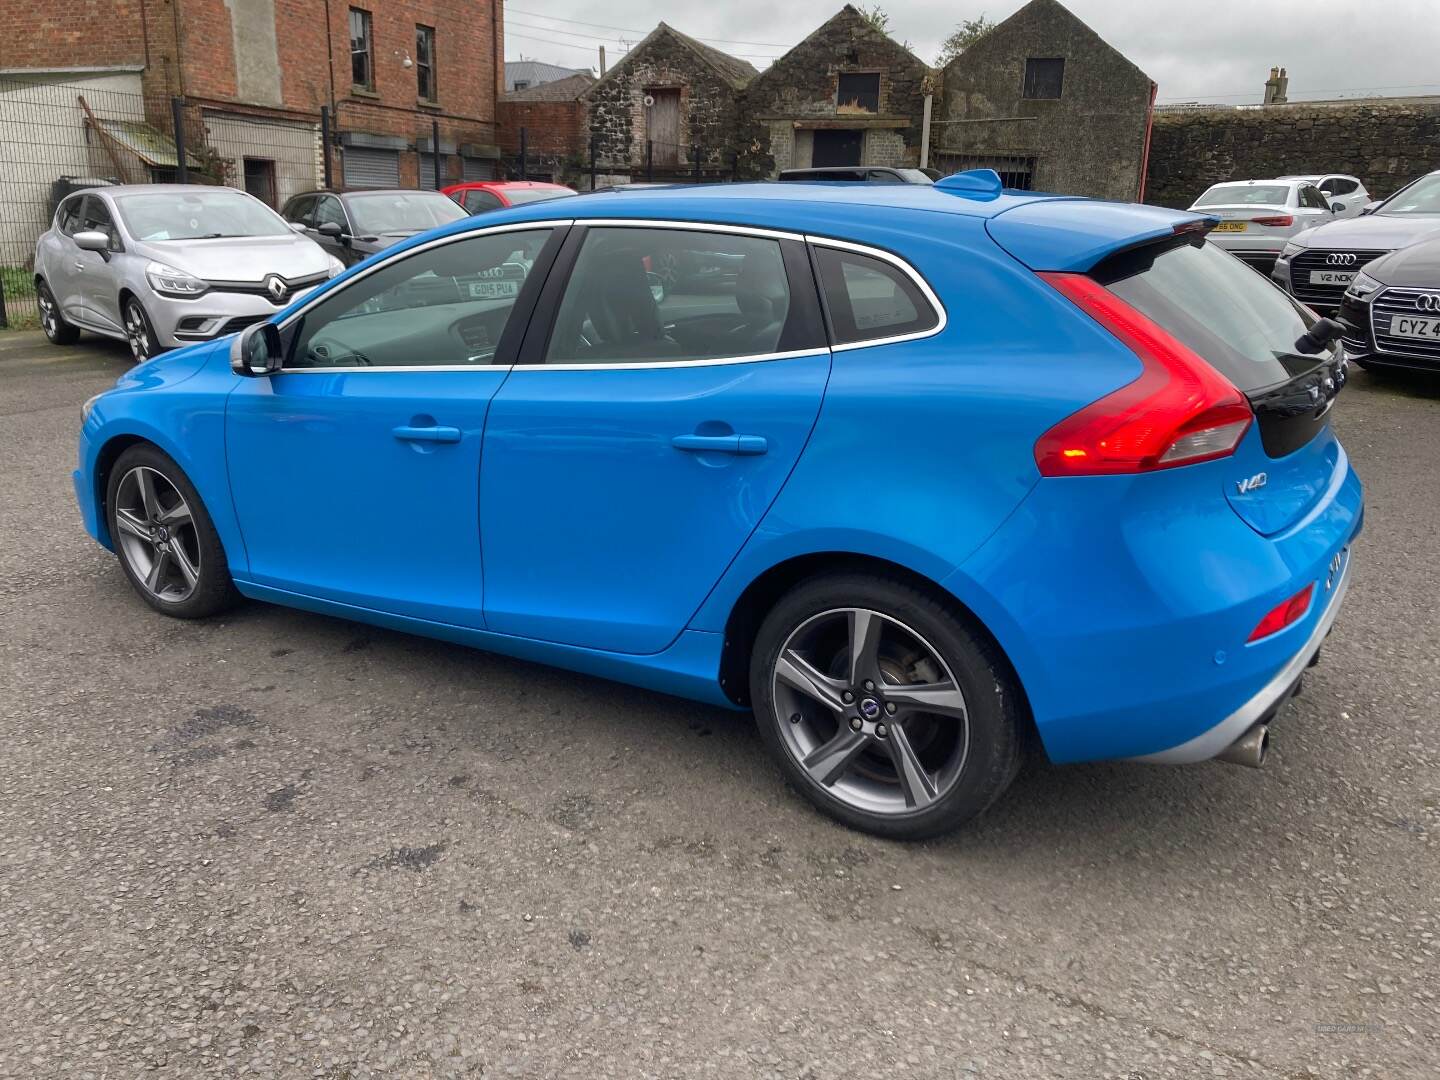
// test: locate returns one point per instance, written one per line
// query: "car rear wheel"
(883, 708)
(52, 322)
(139, 334)
(164, 538)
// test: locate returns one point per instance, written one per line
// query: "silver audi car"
(161, 265)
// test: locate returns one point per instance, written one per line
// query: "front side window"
(1312, 198)
(638, 295)
(444, 307)
(329, 211)
(870, 298)
(1338, 185)
(362, 54)
(1044, 78)
(198, 214)
(96, 218)
(425, 63)
(300, 209)
(68, 219)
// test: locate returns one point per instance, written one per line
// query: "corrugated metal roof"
(536, 72)
(149, 144)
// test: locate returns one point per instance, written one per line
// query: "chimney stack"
(1282, 86)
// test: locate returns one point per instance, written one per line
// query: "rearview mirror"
(331, 229)
(256, 351)
(92, 240)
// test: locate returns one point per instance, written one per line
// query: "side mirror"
(657, 287)
(92, 240)
(1338, 207)
(1319, 337)
(297, 226)
(331, 229)
(256, 351)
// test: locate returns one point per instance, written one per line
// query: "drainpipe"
(925, 131)
(1145, 150)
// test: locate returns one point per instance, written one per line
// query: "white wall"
(293, 147)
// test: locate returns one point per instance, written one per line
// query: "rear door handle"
(721, 444)
(428, 434)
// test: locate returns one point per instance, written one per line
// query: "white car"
(1257, 217)
(1340, 188)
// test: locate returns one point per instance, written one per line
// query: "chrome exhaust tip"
(1250, 749)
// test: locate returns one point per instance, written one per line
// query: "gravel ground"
(277, 844)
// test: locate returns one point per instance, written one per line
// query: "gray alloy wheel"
(156, 535)
(51, 321)
(870, 711)
(137, 332)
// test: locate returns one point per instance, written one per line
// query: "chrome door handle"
(427, 434)
(721, 444)
(80, 266)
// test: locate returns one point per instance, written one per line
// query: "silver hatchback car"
(161, 265)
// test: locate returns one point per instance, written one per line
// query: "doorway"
(836, 148)
(260, 179)
(664, 131)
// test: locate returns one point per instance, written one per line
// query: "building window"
(857, 92)
(1044, 78)
(425, 63)
(522, 84)
(362, 50)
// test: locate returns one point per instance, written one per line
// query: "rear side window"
(1212, 302)
(479, 200)
(870, 298)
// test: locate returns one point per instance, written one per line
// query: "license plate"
(1331, 277)
(1411, 326)
(493, 290)
(1230, 226)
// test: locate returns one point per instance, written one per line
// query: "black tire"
(52, 321)
(213, 590)
(139, 331)
(994, 711)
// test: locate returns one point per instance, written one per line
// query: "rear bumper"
(1269, 698)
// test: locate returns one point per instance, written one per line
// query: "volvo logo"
(1428, 302)
(276, 287)
(1259, 480)
(869, 708)
(1340, 258)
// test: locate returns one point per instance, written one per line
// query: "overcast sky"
(1212, 50)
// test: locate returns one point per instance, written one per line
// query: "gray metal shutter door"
(371, 168)
(427, 168)
(478, 169)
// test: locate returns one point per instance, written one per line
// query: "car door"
(61, 264)
(354, 470)
(101, 283)
(644, 434)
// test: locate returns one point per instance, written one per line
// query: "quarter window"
(870, 298)
(443, 307)
(425, 63)
(640, 295)
(362, 53)
(1044, 78)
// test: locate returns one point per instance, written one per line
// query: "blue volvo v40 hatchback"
(913, 472)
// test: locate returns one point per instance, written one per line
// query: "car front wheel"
(139, 334)
(52, 322)
(163, 535)
(883, 708)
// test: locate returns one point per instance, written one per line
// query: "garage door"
(365, 167)
(427, 168)
(478, 168)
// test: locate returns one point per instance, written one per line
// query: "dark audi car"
(351, 224)
(1391, 311)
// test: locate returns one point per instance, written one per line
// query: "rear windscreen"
(1208, 299)
(1245, 195)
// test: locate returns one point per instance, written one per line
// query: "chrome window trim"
(691, 226)
(943, 317)
(757, 358)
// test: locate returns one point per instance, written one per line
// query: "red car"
(481, 195)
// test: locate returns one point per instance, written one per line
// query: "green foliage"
(967, 32)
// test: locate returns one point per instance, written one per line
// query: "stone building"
(674, 94)
(846, 95)
(1048, 104)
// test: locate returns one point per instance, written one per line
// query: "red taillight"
(1179, 411)
(1292, 610)
(1283, 219)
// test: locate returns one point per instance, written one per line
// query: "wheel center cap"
(161, 533)
(870, 708)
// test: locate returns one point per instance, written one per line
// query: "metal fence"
(57, 136)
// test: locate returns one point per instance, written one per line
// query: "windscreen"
(402, 211)
(197, 214)
(1245, 195)
(1243, 325)
(1421, 197)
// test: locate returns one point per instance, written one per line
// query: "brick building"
(846, 95)
(553, 117)
(254, 75)
(1048, 104)
(674, 94)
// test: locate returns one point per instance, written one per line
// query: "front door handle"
(80, 266)
(721, 444)
(435, 434)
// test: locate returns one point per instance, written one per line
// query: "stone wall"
(802, 86)
(1385, 144)
(618, 118)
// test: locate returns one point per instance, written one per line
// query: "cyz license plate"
(1409, 326)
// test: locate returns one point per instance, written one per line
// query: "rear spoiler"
(1074, 235)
